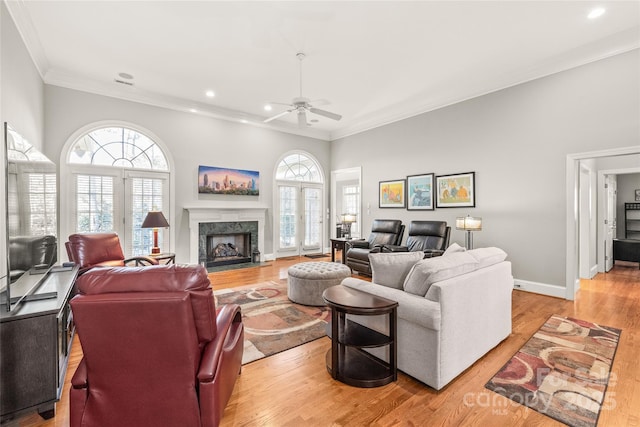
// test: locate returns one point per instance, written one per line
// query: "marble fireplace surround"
(223, 212)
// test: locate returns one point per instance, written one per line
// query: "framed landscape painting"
(392, 194)
(237, 182)
(420, 192)
(456, 191)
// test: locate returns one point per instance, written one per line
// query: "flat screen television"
(31, 211)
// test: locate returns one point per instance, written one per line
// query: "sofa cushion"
(488, 256)
(431, 270)
(391, 268)
(453, 248)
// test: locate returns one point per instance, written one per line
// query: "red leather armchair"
(100, 250)
(156, 351)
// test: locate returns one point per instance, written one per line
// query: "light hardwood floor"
(293, 388)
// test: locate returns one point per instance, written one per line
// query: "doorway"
(613, 158)
(346, 199)
(299, 206)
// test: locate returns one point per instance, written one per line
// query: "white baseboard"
(540, 288)
(268, 257)
(593, 271)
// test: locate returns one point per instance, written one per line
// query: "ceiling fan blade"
(324, 113)
(277, 116)
(302, 119)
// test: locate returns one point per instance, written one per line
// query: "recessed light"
(244, 121)
(125, 76)
(210, 93)
(596, 13)
(193, 110)
(268, 107)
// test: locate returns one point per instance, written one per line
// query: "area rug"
(562, 371)
(272, 323)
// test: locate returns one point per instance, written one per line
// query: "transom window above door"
(298, 167)
(120, 147)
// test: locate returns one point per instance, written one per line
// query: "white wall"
(517, 141)
(192, 140)
(22, 88)
(21, 105)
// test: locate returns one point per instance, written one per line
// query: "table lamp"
(468, 224)
(347, 220)
(155, 220)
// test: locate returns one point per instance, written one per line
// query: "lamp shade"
(469, 223)
(348, 218)
(155, 219)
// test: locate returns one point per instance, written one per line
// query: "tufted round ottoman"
(308, 280)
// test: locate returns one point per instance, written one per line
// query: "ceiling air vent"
(122, 82)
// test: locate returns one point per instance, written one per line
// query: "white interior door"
(300, 220)
(610, 220)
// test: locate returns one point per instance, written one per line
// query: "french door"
(300, 224)
(117, 200)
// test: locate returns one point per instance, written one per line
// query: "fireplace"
(204, 216)
(224, 243)
(226, 248)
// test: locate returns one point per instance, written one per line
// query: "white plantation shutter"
(147, 194)
(42, 204)
(94, 203)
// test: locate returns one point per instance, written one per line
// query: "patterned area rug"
(562, 371)
(272, 323)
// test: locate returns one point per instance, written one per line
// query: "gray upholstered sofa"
(452, 309)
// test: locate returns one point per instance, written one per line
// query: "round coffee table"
(347, 361)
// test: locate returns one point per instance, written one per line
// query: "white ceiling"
(375, 61)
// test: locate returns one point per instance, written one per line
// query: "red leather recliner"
(100, 250)
(156, 350)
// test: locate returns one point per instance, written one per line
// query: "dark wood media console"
(36, 339)
(626, 250)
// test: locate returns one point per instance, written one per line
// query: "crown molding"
(616, 44)
(134, 94)
(18, 11)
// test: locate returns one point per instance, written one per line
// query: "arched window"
(299, 205)
(298, 167)
(120, 147)
(118, 175)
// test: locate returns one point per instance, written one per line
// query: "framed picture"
(392, 194)
(420, 192)
(237, 182)
(637, 195)
(456, 191)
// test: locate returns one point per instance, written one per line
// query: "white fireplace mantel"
(223, 212)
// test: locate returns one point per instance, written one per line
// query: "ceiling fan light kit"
(302, 105)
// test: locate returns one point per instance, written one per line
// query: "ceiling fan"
(302, 105)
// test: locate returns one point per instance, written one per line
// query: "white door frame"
(572, 280)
